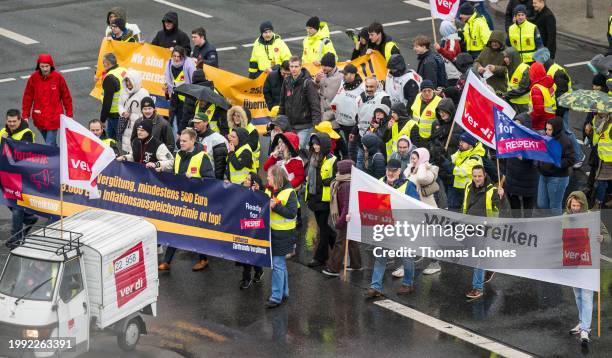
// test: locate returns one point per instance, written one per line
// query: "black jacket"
(283, 240)
(272, 88)
(300, 101)
(314, 200)
(189, 106)
(428, 67)
(562, 82)
(381, 48)
(174, 37)
(376, 160)
(510, 11)
(161, 131)
(27, 137)
(547, 24)
(245, 160)
(207, 54)
(110, 85)
(441, 128)
(568, 157)
(477, 202)
(219, 153)
(206, 169)
(145, 151)
(521, 175)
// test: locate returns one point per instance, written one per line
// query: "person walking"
(112, 82)
(400, 124)
(119, 12)
(317, 43)
(171, 35)
(424, 113)
(374, 160)
(285, 153)
(328, 81)
(214, 143)
(523, 35)
(191, 104)
(283, 212)
(475, 31)
(131, 95)
(468, 155)
(96, 127)
(603, 178)
(545, 20)
(345, 104)
(491, 62)
(401, 84)
(268, 50)
(512, 4)
(450, 46)
(273, 83)
(119, 31)
(250, 273)
(431, 65)
(45, 98)
(237, 118)
(179, 70)
(518, 80)
(542, 100)
(402, 152)
(203, 51)
(445, 116)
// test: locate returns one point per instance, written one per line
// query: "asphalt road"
(204, 314)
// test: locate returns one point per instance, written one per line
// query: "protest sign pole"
(346, 243)
(450, 134)
(433, 28)
(499, 178)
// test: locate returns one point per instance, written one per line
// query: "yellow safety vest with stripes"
(119, 74)
(327, 170)
(491, 210)
(464, 162)
(514, 82)
(277, 221)
(266, 56)
(179, 80)
(551, 72)
(401, 188)
(210, 112)
(389, 45)
(109, 141)
(426, 118)
(18, 135)
(396, 133)
(195, 163)
(239, 176)
(550, 104)
(522, 38)
(604, 144)
(257, 152)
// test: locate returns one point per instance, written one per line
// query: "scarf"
(313, 164)
(333, 189)
(177, 64)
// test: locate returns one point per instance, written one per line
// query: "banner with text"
(560, 249)
(190, 214)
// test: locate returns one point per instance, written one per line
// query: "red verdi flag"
(82, 156)
(444, 9)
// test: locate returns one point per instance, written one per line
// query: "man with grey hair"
(112, 80)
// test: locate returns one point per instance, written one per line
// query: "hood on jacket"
(45, 58)
(397, 65)
(582, 199)
(134, 77)
(515, 59)
(423, 154)
(344, 166)
(447, 28)
(372, 143)
(198, 76)
(406, 138)
(244, 121)
(557, 125)
(243, 136)
(464, 61)
(525, 119)
(172, 17)
(400, 109)
(324, 143)
(291, 140)
(499, 36)
(446, 105)
(117, 11)
(322, 32)
(537, 75)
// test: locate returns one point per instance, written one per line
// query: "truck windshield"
(23, 274)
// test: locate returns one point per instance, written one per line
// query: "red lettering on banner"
(130, 274)
(246, 224)
(12, 185)
(375, 208)
(445, 6)
(82, 154)
(576, 247)
(478, 115)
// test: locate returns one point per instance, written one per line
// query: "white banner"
(562, 249)
(444, 9)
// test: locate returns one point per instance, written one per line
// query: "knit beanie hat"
(147, 102)
(466, 137)
(520, 8)
(328, 60)
(313, 22)
(427, 84)
(146, 125)
(466, 9)
(265, 26)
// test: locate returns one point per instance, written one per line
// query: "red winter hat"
(45, 58)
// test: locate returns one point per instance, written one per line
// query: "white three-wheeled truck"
(58, 286)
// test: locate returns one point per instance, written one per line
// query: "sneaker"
(584, 338)
(399, 273)
(360, 268)
(405, 290)
(489, 276)
(329, 272)
(575, 330)
(432, 268)
(200, 265)
(160, 249)
(314, 263)
(373, 293)
(272, 304)
(474, 294)
(244, 284)
(164, 266)
(258, 278)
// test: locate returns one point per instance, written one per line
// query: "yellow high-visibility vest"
(119, 74)
(550, 104)
(277, 221)
(396, 133)
(551, 72)
(491, 210)
(179, 80)
(604, 144)
(266, 56)
(109, 141)
(426, 118)
(476, 33)
(389, 45)
(239, 176)
(257, 152)
(210, 112)
(195, 163)
(514, 82)
(327, 170)
(19, 135)
(522, 38)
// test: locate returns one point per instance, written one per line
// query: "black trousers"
(527, 203)
(327, 236)
(246, 271)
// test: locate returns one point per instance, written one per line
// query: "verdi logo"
(375, 208)
(445, 6)
(82, 154)
(576, 247)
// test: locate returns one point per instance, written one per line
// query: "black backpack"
(441, 71)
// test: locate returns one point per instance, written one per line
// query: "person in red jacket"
(543, 104)
(45, 98)
(285, 154)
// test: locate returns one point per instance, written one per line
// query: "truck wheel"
(128, 339)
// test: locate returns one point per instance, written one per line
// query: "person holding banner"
(148, 150)
(161, 127)
(475, 31)
(239, 157)
(283, 212)
(468, 155)
(214, 143)
(179, 70)
(112, 82)
(380, 41)
(96, 127)
(254, 183)
(268, 50)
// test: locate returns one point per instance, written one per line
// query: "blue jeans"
(304, 136)
(280, 279)
(111, 127)
(20, 217)
(360, 162)
(601, 189)
(550, 193)
(572, 137)
(584, 302)
(50, 137)
(378, 273)
(454, 198)
(478, 278)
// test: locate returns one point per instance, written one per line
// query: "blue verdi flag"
(514, 140)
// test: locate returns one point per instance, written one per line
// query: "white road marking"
(227, 48)
(417, 3)
(450, 329)
(576, 64)
(7, 80)
(181, 7)
(17, 37)
(24, 77)
(605, 258)
(396, 23)
(424, 18)
(68, 70)
(247, 45)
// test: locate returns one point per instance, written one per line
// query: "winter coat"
(568, 158)
(161, 131)
(476, 202)
(272, 87)
(537, 75)
(428, 67)
(328, 88)
(151, 150)
(120, 12)
(300, 101)
(562, 82)
(245, 160)
(547, 25)
(344, 194)
(381, 47)
(206, 169)
(189, 106)
(376, 165)
(110, 86)
(314, 200)
(216, 146)
(167, 39)
(425, 175)
(442, 128)
(488, 56)
(525, 83)
(253, 138)
(207, 54)
(317, 45)
(46, 98)
(522, 176)
(129, 102)
(283, 240)
(451, 42)
(294, 167)
(188, 68)
(510, 11)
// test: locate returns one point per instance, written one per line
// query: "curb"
(573, 37)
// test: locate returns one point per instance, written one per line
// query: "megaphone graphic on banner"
(40, 179)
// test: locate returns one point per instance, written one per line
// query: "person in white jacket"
(149, 150)
(129, 108)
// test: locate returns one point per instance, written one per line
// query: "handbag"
(430, 189)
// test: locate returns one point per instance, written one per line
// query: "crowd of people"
(398, 129)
